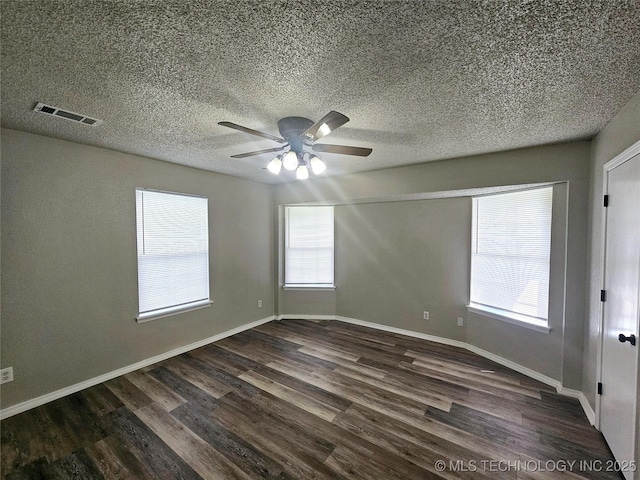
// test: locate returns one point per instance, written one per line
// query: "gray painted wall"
(396, 260)
(559, 354)
(69, 284)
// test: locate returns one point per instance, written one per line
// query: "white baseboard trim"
(588, 411)
(401, 331)
(49, 397)
(517, 367)
(302, 316)
(568, 392)
(562, 390)
(457, 343)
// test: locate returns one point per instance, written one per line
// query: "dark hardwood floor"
(299, 399)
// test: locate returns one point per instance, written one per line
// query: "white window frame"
(169, 308)
(528, 321)
(288, 285)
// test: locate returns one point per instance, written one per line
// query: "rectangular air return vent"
(74, 117)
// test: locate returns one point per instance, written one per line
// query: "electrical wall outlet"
(6, 375)
(425, 315)
(259, 303)
(460, 321)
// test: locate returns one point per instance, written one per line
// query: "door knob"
(631, 339)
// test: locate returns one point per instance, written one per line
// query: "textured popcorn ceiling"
(420, 80)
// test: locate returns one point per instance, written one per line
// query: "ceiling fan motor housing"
(291, 129)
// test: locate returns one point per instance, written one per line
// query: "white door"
(618, 404)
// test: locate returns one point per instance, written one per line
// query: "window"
(510, 255)
(173, 253)
(309, 246)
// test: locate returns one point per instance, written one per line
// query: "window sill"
(168, 312)
(309, 287)
(510, 317)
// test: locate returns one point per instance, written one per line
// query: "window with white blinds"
(309, 246)
(173, 252)
(510, 254)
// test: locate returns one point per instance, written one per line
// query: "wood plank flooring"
(300, 399)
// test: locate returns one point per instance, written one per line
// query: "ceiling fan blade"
(235, 126)
(258, 152)
(342, 149)
(324, 126)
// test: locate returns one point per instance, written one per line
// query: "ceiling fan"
(297, 134)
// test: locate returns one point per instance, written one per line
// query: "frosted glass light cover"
(317, 165)
(290, 160)
(275, 165)
(302, 173)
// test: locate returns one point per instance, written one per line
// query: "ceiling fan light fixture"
(317, 165)
(299, 133)
(302, 173)
(275, 165)
(290, 160)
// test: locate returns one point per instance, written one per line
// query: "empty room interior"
(335, 239)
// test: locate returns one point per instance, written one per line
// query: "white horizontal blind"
(511, 252)
(309, 246)
(173, 251)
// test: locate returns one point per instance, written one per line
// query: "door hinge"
(606, 200)
(599, 388)
(603, 295)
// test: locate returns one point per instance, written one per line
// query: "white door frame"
(618, 160)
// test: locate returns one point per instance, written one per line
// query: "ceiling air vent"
(74, 117)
